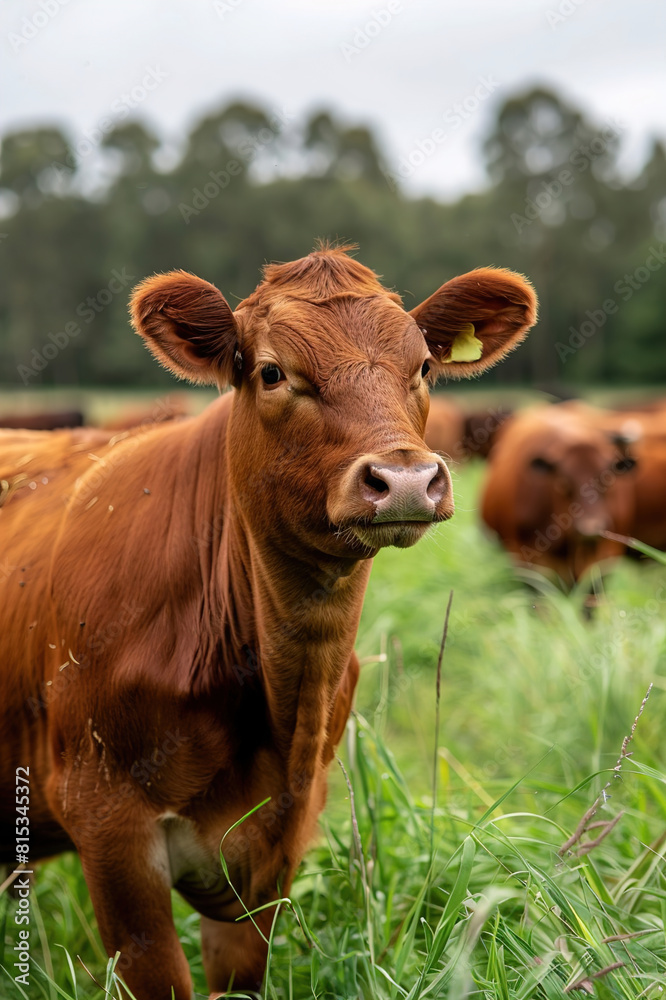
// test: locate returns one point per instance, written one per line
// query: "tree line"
(82, 220)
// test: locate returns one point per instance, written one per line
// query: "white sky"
(608, 56)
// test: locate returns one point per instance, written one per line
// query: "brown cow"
(481, 430)
(644, 431)
(180, 606)
(555, 481)
(649, 522)
(444, 428)
(640, 433)
(49, 421)
(459, 435)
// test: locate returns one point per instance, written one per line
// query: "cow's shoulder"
(135, 553)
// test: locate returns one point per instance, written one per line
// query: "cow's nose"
(591, 527)
(404, 493)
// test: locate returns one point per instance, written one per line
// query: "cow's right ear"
(188, 325)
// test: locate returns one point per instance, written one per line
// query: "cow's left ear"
(188, 325)
(474, 320)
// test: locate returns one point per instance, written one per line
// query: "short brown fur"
(181, 601)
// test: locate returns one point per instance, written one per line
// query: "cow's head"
(586, 474)
(331, 377)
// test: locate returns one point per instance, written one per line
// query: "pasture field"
(469, 894)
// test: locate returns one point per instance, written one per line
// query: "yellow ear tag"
(465, 347)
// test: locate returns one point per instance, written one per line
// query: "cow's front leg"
(126, 868)
(234, 954)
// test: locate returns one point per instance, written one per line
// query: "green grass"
(535, 705)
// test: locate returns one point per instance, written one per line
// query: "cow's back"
(38, 472)
(54, 565)
(101, 537)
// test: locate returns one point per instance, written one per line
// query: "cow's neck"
(282, 620)
(298, 635)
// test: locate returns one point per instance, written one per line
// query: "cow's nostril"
(437, 487)
(375, 484)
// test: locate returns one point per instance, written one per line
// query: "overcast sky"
(399, 65)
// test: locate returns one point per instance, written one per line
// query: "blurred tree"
(538, 132)
(254, 185)
(135, 146)
(30, 163)
(650, 188)
(555, 174)
(341, 152)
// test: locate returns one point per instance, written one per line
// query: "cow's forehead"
(330, 332)
(579, 445)
(327, 309)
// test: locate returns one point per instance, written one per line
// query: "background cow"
(180, 604)
(43, 421)
(458, 434)
(649, 523)
(481, 430)
(641, 432)
(444, 428)
(556, 480)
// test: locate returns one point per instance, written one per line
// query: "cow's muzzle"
(590, 528)
(391, 499)
(404, 493)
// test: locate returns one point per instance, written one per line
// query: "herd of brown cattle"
(562, 478)
(180, 602)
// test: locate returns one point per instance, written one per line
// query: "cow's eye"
(425, 369)
(271, 374)
(541, 464)
(624, 464)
